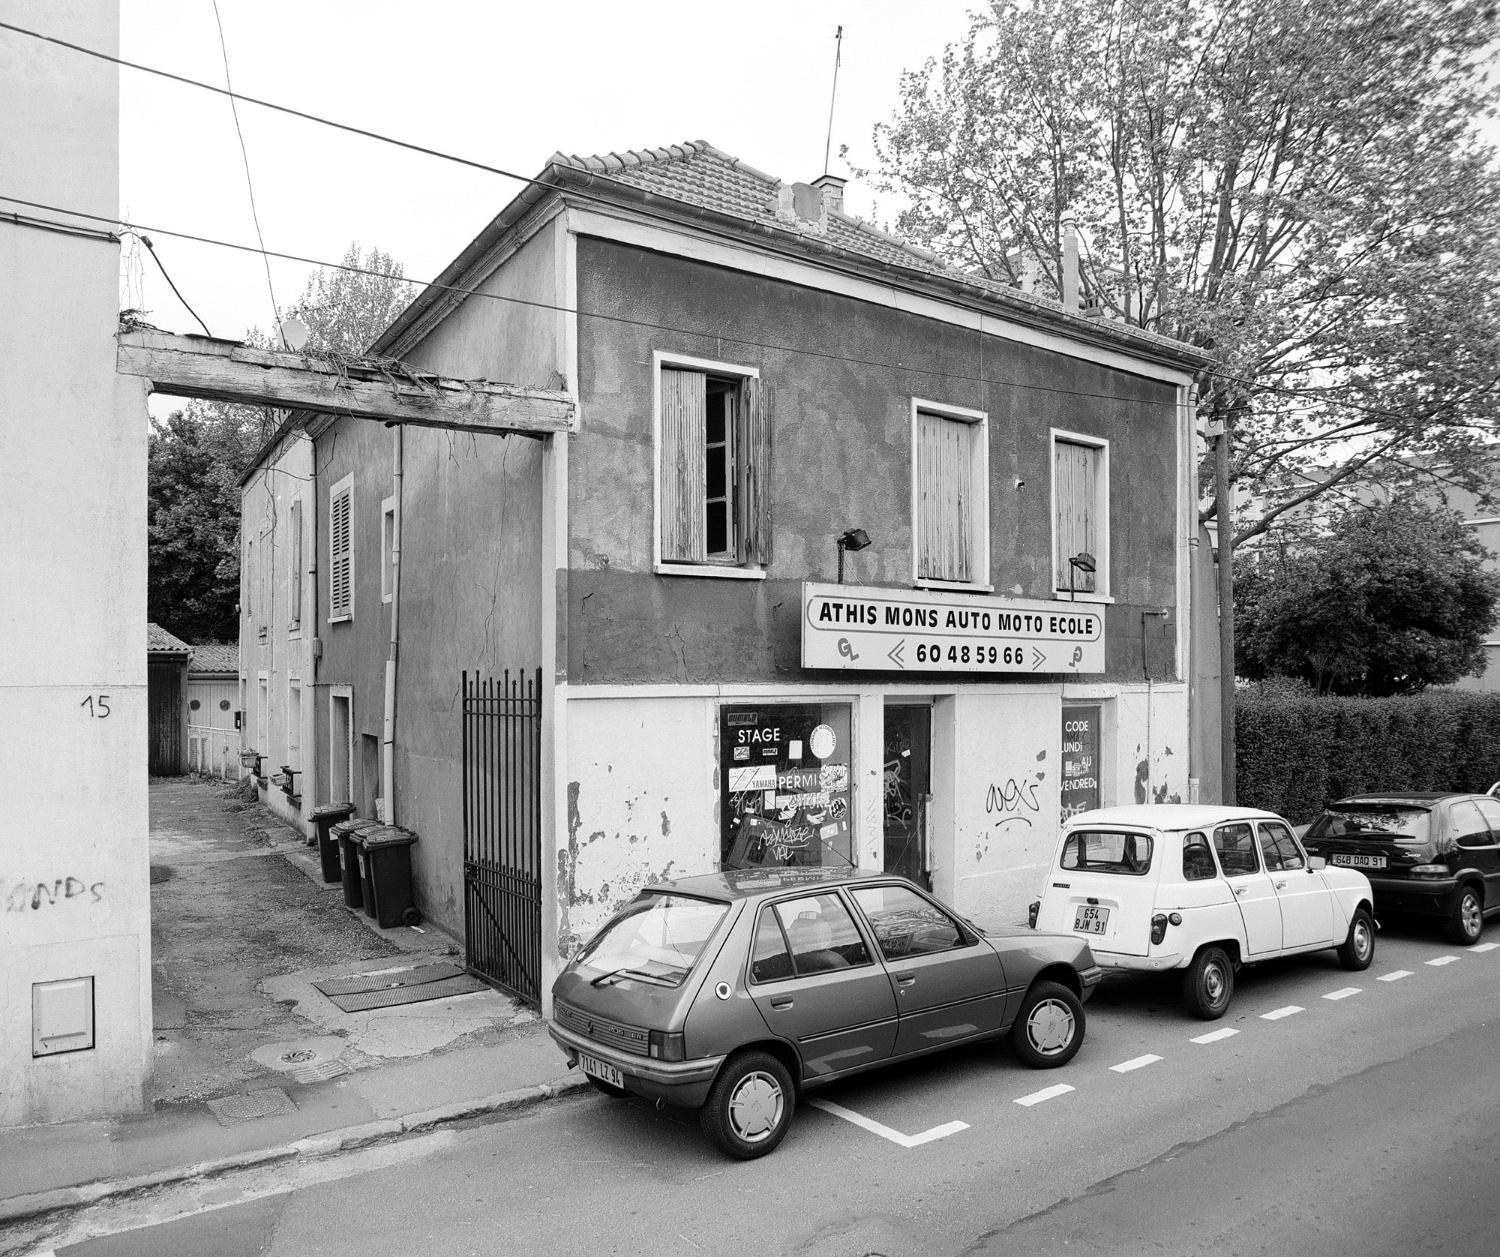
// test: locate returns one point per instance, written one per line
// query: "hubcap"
(1362, 939)
(1213, 983)
(1050, 1026)
(755, 1107)
(1469, 911)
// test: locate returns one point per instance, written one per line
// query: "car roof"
(747, 883)
(1168, 816)
(1417, 798)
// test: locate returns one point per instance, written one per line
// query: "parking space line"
(1276, 1014)
(1395, 975)
(1438, 961)
(1124, 1067)
(1344, 992)
(1051, 1093)
(1484, 946)
(1213, 1036)
(886, 1132)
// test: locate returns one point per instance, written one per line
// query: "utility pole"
(1219, 430)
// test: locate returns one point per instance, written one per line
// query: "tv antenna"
(838, 56)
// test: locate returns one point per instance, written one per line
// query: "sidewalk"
(253, 1063)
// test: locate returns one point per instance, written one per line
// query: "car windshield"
(657, 939)
(1107, 851)
(1403, 822)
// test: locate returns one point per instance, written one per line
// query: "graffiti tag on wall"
(1014, 801)
(33, 896)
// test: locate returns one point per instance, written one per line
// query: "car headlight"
(664, 1045)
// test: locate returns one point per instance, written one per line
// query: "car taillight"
(1160, 922)
(664, 1045)
(1031, 912)
(1430, 870)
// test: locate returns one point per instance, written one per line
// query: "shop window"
(950, 495)
(1080, 515)
(1080, 760)
(784, 785)
(713, 460)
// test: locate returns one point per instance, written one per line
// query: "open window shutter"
(295, 574)
(753, 473)
(945, 479)
(1075, 484)
(684, 408)
(339, 577)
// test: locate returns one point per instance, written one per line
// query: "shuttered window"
(294, 572)
(714, 464)
(1080, 481)
(949, 496)
(341, 551)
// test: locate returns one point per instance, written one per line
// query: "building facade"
(852, 559)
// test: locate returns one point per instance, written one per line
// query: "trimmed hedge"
(1297, 753)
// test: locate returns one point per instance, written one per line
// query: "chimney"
(1070, 261)
(832, 188)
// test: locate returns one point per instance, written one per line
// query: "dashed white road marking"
(1484, 946)
(1438, 961)
(1213, 1036)
(1276, 1014)
(1395, 975)
(1050, 1093)
(1344, 992)
(886, 1132)
(1124, 1067)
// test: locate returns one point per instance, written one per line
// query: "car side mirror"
(1316, 862)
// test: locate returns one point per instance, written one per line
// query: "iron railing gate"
(503, 830)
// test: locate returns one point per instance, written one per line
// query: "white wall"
(74, 859)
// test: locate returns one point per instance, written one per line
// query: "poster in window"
(1080, 760)
(784, 782)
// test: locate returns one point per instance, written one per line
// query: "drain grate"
(267, 1102)
(363, 1001)
(318, 1071)
(388, 980)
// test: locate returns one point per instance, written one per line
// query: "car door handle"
(1240, 890)
(1280, 885)
(781, 1001)
(905, 979)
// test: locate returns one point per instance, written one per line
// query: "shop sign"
(867, 629)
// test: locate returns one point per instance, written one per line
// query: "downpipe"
(388, 728)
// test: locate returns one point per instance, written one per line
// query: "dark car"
(732, 992)
(1431, 855)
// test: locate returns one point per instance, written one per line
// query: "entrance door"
(908, 790)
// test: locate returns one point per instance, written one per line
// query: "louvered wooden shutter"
(1075, 484)
(295, 574)
(753, 459)
(684, 402)
(341, 545)
(945, 479)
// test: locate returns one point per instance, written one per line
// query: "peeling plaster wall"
(642, 804)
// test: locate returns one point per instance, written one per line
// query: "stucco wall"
(74, 860)
(841, 457)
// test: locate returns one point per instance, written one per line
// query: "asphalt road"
(1327, 1113)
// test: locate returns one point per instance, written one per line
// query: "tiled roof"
(699, 174)
(216, 657)
(158, 639)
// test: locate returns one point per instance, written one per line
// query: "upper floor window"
(341, 550)
(387, 549)
(294, 566)
(950, 495)
(1080, 515)
(713, 469)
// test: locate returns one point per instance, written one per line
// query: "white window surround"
(1102, 593)
(340, 767)
(659, 360)
(336, 614)
(387, 541)
(979, 495)
(296, 541)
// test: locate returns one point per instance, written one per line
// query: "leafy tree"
(198, 454)
(1395, 599)
(1296, 186)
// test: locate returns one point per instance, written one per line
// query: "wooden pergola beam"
(230, 371)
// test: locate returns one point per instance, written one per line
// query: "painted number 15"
(98, 705)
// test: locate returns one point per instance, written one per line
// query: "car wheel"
(606, 1088)
(1356, 951)
(1467, 922)
(750, 1106)
(1208, 983)
(1048, 1031)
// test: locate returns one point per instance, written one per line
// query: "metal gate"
(503, 830)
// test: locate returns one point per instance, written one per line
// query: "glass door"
(908, 790)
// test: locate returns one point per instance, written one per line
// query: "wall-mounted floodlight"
(1083, 561)
(853, 539)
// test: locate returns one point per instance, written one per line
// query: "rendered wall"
(74, 860)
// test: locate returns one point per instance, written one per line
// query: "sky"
(502, 83)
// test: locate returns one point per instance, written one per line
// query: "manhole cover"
(297, 1056)
(268, 1102)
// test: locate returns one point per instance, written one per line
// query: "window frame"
(387, 548)
(339, 613)
(979, 494)
(661, 359)
(295, 541)
(1102, 591)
